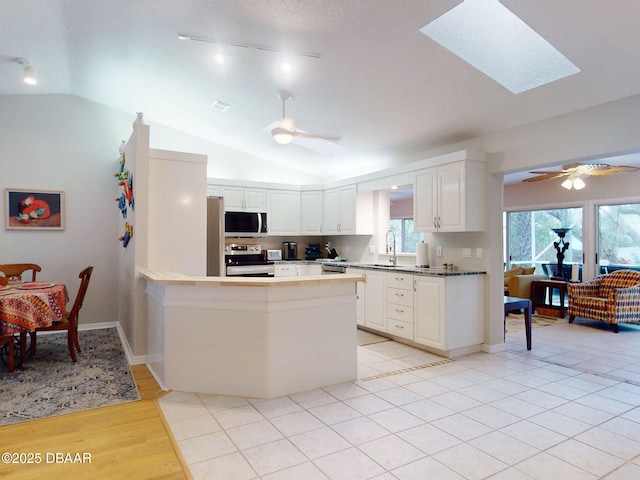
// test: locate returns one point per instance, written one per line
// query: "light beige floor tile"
(312, 398)
(535, 435)
(426, 468)
(610, 442)
(504, 447)
(586, 457)
(456, 401)
(395, 419)
(184, 410)
(349, 464)
(560, 423)
(276, 407)
(360, 430)
(429, 439)
(368, 404)
(274, 456)
(623, 427)
(296, 423)
(545, 467)
(319, 443)
(428, 410)
(227, 467)
(252, 434)
(234, 417)
(206, 447)
(334, 413)
(391, 452)
(462, 427)
(626, 472)
(216, 403)
(344, 391)
(399, 396)
(491, 416)
(304, 471)
(193, 426)
(470, 462)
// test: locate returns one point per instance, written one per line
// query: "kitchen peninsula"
(251, 336)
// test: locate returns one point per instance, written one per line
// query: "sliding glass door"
(531, 240)
(618, 229)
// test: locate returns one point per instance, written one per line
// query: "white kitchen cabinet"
(311, 216)
(449, 313)
(375, 300)
(450, 198)
(283, 212)
(347, 212)
(214, 191)
(285, 270)
(360, 295)
(238, 199)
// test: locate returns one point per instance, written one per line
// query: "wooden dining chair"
(13, 271)
(70, 320)
(8, 340)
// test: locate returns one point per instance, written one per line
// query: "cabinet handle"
(438, 222)
(399, 310)
(399, 327)
(400, 279)
(435, 224)
(399, 294)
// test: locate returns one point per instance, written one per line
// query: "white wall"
(60, 142)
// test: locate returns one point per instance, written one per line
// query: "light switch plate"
(466, 252)
(478, 252)
(438, 251)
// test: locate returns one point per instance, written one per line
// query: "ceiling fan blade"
(614, 170)
(546, 176)
(311, 135)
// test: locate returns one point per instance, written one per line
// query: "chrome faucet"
(393, 258)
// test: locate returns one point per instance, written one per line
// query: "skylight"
(492, 39)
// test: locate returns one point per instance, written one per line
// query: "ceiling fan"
(285, 132)
(576, 170)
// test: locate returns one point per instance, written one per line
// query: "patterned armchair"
(613, 298)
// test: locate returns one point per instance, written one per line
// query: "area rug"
(368, 338)
(515, 321)
(51, 384)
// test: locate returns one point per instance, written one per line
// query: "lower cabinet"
(400, 299)
(444, 315)
(449, 313)
(375, 300)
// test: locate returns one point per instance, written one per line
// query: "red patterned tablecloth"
(27, 306)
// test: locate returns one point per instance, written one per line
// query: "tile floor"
(568, 409)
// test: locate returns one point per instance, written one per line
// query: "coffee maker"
(289, 250)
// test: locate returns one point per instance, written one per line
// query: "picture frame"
(34, 209)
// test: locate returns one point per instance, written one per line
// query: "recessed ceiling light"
(494, 40)
(220, 106)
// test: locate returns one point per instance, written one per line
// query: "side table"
(542, 296)
(514, 303)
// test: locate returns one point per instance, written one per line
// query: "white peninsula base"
(256, 338)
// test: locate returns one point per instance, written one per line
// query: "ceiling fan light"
(568, 183)
(282, 135)
(578, 184)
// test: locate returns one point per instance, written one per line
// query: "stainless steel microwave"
(245, 224)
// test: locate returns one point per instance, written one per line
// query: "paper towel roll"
(575, 275)
(422, 254)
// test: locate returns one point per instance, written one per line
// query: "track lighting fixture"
(29, 72)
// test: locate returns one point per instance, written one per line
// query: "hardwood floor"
(125, 442)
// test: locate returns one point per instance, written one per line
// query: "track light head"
(29, 72)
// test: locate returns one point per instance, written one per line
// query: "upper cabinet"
(311, 208)
(244, 199)
(283, 212)
(347, 212)
(450, 198)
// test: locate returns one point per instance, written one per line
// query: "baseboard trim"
(498, 348)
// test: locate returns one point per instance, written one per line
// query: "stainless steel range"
(247, 261)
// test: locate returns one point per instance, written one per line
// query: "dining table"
(26, 306)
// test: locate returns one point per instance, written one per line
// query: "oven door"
(251, 270)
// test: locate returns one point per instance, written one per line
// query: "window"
(531, 239)
(618, 237)
(405, 236)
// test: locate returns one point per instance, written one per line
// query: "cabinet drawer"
(403, 281)
(399, 296)
(400, 329)
(400, 312)
(286, 270)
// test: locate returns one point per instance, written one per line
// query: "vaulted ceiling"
(385, 89)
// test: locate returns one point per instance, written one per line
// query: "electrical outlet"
(478, 252)
(438, 251)
(466, 252)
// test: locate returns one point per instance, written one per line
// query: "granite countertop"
(433, 272)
